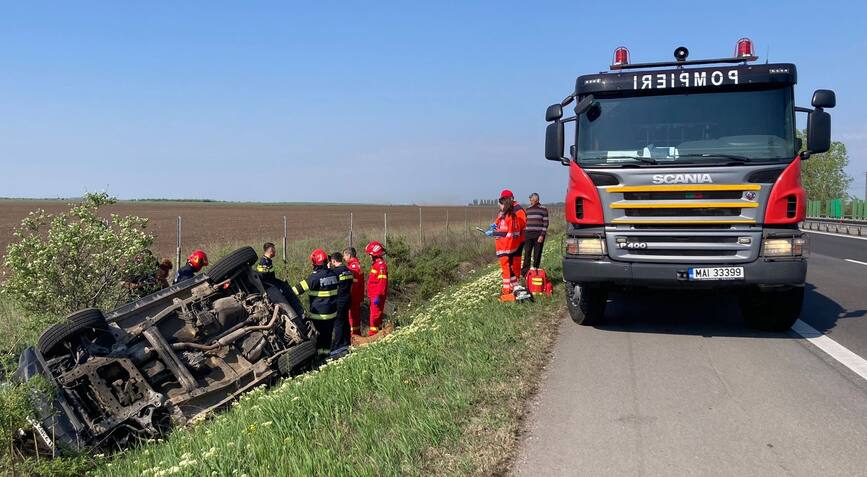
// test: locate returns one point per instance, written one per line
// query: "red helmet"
(375, 249)
(318, 257)
(198, 259)
(507, 194)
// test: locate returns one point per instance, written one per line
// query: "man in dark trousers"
(344, 290)
(537, 228)
(321, 287)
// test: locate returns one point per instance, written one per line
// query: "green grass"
(441, 396)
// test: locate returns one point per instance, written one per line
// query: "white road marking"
(833, 235)
(859, 262)
(835, 350)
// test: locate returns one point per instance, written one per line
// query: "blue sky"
(408, 102)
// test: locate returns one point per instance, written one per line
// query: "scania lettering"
(685, 175)
(682, 179)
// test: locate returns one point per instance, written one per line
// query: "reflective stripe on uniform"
(373, 328)
(382, 276)
(262, 269)
(322, 293)
(305, 285)
(317, 316)
(346, 277)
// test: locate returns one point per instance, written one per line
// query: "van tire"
(227, 266)
(87, 320)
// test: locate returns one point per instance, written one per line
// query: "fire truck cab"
(686, 175)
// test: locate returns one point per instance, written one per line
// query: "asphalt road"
(673, 384)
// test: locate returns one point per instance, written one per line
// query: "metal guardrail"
(837, 226)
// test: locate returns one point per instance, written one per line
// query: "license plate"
(717, 273)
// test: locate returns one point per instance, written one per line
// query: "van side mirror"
(818, 131)
(554, 141)
(824, 98)
(554, 112)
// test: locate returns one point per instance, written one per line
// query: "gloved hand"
(489, 233)
(376, 300)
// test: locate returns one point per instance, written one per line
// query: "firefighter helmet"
(198, 259)
(318, 257)
(375, 249)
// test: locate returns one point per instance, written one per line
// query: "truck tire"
(228, 265)
(772, 310)
(586, 303)
(87, 320)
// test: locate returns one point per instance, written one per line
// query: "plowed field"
(205, 224)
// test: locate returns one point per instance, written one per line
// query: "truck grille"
(683, 223)
(683, 204)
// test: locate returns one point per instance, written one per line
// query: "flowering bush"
(76, 259)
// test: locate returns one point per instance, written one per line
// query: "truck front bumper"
(762, 272)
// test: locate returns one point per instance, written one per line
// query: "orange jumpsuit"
(377, 291)
(356, 295)
(509, 234)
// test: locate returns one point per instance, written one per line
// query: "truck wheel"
(586, 303)
(89, 320)
(772, 310)
(228, 265)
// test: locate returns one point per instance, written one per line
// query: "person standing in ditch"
(537, 228)
(321, 287)
(350, 257)
(344, 292)
(377, 286)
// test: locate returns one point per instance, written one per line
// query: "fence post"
(420, 231)
(178, 249)
(350, 229)
(447, 222)
(385, 234)
(466, 220)
(285, 231)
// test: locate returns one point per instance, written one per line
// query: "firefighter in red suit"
(508, 230)
(356, 293)
(377, 286)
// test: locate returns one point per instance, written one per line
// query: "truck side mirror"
(554, 112)
(824, 98)
(554, 141)
(818, 131)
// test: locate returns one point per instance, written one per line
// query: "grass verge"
(443, 395)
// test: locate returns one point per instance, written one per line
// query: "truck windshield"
(722, 127)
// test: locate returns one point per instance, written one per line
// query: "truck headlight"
(784, 247)
(585, 246)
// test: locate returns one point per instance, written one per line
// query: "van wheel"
(586, 303)
(228, 265)
(89, 322)
(772, 310)
(292, 361)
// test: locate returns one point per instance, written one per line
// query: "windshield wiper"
(646, 160)
(733, 157)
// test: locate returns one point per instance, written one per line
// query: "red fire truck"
(686, 175)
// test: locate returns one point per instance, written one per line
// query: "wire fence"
(432, 224)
